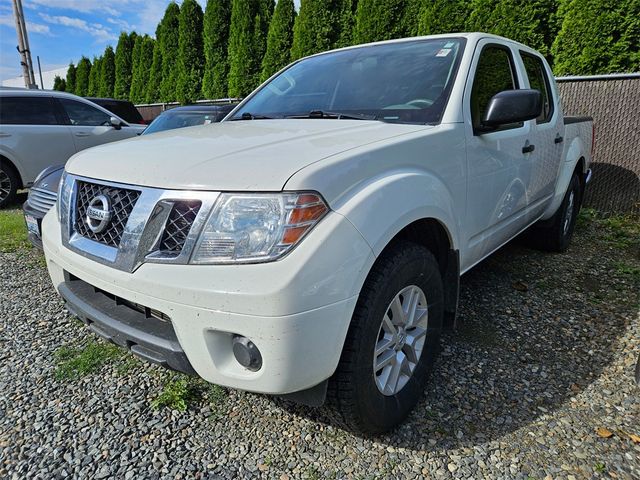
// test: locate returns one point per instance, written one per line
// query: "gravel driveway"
(545, 358)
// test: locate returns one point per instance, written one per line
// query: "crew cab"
(310, 245)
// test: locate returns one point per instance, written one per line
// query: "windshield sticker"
(443, 52)
(449, 45)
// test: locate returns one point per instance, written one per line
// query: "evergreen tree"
(71, 79)
(107, 73)
(124, 64)
(443, 16)
(527, 21)
(279, 38)
(152, 91)
(190, 56)
(379, 20)
(59, 84)
(142, 59)
(83, 70)
(217, 17)
(168, 43)
(598, 37)
(94, 78)
(322, 25)
(247, 43)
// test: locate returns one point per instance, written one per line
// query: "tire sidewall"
(8, 170)
(565, 237)
(418, 268)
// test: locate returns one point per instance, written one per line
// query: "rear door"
(33, 135)
(91, 126)
(549, 132)
(499, 165)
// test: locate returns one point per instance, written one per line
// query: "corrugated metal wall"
(614, 104)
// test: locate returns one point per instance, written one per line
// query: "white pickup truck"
(310, 245)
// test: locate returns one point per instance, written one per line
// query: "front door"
(499, 161)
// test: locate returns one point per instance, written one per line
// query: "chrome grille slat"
(42, 200)
(122, 201)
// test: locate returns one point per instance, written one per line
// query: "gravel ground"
(545, 358)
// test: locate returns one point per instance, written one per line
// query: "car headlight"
(250, 228)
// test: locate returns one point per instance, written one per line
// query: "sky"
(61, 31)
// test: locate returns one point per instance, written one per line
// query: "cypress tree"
(168, 42)
(107, 73)
(59, 84)
(527, 21)
(190, 57)
(71, 79)
(598, 37)
(379, 20)
(247, 43)
(279, 38)
(142, 59)
(322, 25)
(83, 70)
(152, 91)
(94, 78)
(217, 17)
(443, 16)
(124, 54)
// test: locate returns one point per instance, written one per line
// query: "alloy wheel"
(400, 340)
(5, 185)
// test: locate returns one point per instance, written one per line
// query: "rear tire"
(366, 394)
(555, 234)
(8, 183)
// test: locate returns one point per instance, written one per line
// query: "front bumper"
(296, 310)
(34, 237)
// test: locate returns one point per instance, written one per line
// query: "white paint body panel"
(377, 178)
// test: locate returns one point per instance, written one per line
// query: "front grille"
(122, 203)
(176, 230)
(42, 200)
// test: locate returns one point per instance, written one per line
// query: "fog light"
(246, 353)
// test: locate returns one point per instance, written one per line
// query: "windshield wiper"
(251, 116)
(338, 115)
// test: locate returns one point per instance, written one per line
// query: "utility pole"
(23, 46)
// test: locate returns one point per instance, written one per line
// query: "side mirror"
(115, 123)
(511, 106)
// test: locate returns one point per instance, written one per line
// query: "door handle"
(82, 134)
(528, 148)
(4, 135)
(558, 139)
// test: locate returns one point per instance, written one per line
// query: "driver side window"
(494, 74)
(82, 114)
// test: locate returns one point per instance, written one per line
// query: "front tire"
(392, 341)
(8, 184)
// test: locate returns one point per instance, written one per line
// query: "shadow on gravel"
(538, 328)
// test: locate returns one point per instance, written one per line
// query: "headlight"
(257, 227)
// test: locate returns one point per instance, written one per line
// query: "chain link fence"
(614, 103)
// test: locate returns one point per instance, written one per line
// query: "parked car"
(189, 116)
(44, 191)
(310, 245)
(39, 128)
(122, 108)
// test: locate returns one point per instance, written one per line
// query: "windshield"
(406, 82)
(170, 120)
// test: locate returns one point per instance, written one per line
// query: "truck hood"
(235, 155)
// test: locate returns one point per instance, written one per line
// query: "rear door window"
(538, 80)
(27, 111)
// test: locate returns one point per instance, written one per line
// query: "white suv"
(40, 128)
